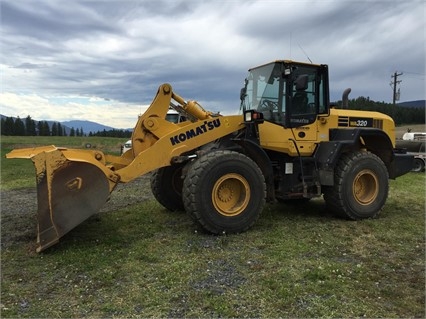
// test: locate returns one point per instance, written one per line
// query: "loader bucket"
(68, 190)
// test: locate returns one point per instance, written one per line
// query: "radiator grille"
(343, 121)
(378, 124)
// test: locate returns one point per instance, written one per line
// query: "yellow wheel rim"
(365, 187)
(231, 194)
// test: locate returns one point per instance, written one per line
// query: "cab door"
(307, 100)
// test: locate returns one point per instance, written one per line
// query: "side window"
(304, 97)
(308, 95)
(322, 108)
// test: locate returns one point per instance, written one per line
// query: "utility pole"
(394, 83)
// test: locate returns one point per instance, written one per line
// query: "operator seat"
(300, 98)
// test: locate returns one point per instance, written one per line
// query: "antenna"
(304, 52)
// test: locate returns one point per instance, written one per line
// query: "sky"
(103, 60)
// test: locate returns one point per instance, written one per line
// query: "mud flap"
(402, 164)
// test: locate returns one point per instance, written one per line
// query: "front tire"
(224, 191)
(361, 185)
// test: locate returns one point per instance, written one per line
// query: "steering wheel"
(269, 105)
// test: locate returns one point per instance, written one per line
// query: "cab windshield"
(262, 91)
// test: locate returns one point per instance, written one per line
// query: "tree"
(19, 127)
(30, 126)
(112, 133)
(72, 132)
(54, 129)
(40, 128)
(401, 115)
(8, 126)
(3, 120)
(43, 128)
(60, 129)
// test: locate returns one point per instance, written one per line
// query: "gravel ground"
(19, 225)
(19, 209)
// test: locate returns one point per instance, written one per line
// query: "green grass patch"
(107, 144)
(297, 261)
(18, 173)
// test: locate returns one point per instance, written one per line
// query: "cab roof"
(286, 62)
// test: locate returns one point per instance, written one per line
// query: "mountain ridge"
(416, 103)
(87, 126)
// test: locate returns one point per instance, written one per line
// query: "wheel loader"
(287, 143)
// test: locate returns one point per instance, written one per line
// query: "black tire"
(224, 192)
(166, 186)
(419, 165)
(361, 185)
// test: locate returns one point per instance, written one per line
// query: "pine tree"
(3, 120)
(60, 130)
(54, 129)
(8, 126)
(30, 126)
(40, 128)
(19, 127)
(43, 128)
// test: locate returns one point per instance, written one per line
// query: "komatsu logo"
(205, 127)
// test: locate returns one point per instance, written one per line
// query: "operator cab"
(287, 93)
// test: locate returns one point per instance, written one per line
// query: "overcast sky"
(104, 60)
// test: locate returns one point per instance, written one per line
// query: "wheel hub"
(225, 193)
(231, 194)
(365, 187)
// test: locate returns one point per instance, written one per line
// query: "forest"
(28, 127)
(401, 115)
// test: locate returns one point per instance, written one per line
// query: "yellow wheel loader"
(286, 143)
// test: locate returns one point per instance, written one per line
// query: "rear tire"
(166, 186)
(361, 185)
(224, 191)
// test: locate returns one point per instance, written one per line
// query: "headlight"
(253, 116)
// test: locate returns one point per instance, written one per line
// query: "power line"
(414, 73)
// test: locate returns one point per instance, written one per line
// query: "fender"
(374, 140)
(258, 154)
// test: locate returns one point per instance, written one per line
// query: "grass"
(19, 173)
(108, 144)
(297, 261)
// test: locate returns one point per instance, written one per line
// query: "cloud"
(111, 113)
(122, 51)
